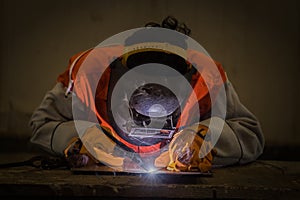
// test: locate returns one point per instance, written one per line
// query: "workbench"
(263, 179)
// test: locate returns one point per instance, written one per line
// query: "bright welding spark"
(152, 178)
(152, 170)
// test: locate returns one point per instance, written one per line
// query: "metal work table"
(259, 180)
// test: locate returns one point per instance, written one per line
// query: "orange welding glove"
(184, 151)
(94, 146)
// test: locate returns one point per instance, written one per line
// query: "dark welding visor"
(154, 110)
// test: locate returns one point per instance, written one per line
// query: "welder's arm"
(241, 139)
(52, 122)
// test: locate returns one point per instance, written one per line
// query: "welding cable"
(41, 162)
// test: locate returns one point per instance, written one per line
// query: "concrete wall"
(256, 41)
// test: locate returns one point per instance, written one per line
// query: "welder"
(152, 122)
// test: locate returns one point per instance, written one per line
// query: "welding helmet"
(149, 114)
(153, 108)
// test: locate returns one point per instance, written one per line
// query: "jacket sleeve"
(241, 140)
(52, 122)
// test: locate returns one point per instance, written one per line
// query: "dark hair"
(157, 35)
(172, 23)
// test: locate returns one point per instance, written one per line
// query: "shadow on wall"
(14, 124)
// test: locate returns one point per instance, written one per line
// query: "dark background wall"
(256, 41)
